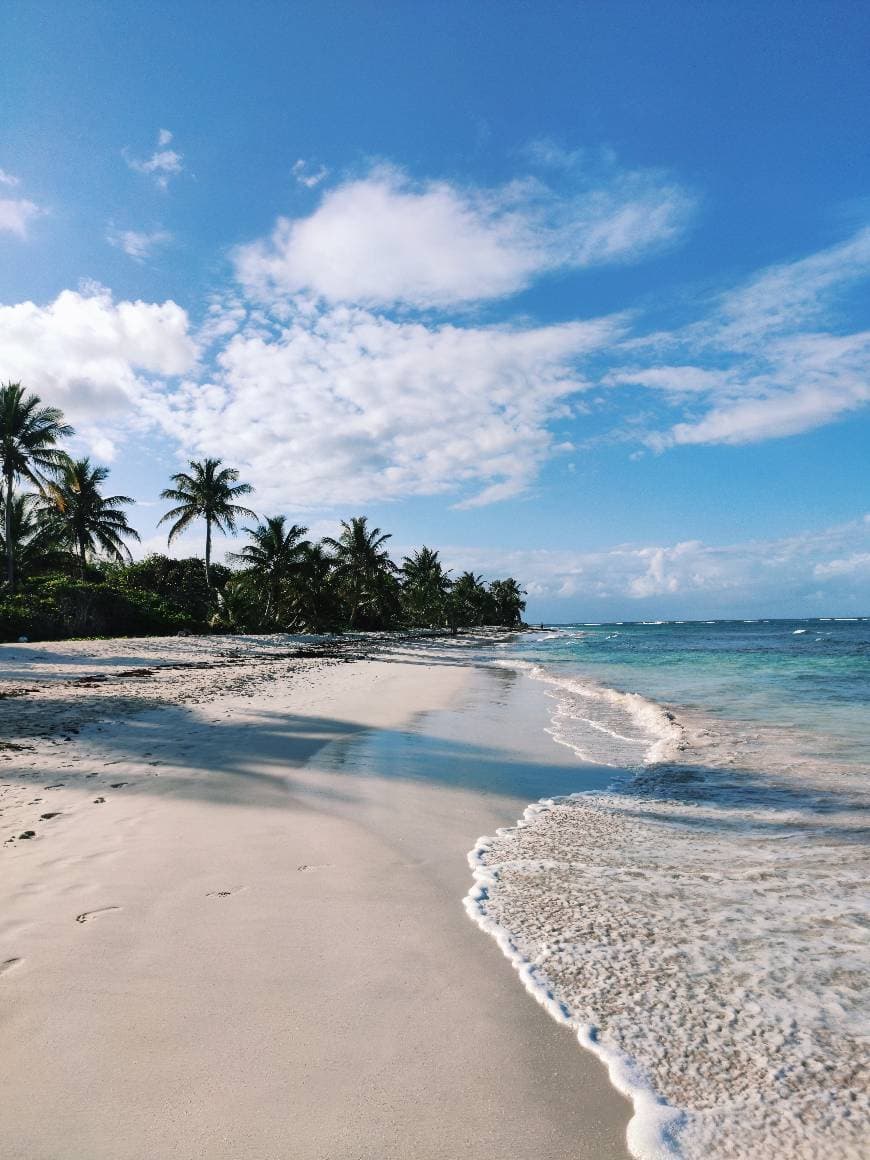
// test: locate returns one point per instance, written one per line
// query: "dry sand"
(215, 945)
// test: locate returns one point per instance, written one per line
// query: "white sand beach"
(237, 928)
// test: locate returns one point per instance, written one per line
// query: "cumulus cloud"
(757, 570)
(345, 406)
(8, 178)
(163, 164)
(384, 240)
(138, 244)
(96, 358)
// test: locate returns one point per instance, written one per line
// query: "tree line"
(69, 569)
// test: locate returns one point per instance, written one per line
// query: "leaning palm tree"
(272, 556)
(84, 520)
(208, 493)
(363, 568)
(29, 434)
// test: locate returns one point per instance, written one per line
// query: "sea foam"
(700, 926)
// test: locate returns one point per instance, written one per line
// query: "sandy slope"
(205, 951)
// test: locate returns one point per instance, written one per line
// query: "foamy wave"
(637, 730)
(715, 973)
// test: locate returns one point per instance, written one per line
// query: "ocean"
(702, 922)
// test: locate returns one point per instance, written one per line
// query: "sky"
(572, 291)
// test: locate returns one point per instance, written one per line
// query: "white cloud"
(384, 240)
(754, 570)
(95, 357)
(138, 244)
(858, 563)
(163, 164)
(786, 297)
(768, 375)
(8, 178)
(306, 177)
(16, 214)
(346, 406)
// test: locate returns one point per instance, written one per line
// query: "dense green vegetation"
(69, 572)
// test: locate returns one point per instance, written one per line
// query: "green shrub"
(57, 607)
(181, 583)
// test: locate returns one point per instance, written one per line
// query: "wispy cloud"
(385, 240)
(163, 164)
(308, 177)
(771, 359)
(16, 213)
(138, 244)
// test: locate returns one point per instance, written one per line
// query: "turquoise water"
(703, 921)
(811, 676)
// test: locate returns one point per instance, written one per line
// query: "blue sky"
(577, 291)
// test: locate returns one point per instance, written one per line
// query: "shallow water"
(703, 921)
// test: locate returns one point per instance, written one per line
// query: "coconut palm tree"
(508, 600)
(273, 555)
(34, 545)
(314, 601)
(363, 569)
(209, 493)
(29, 437)
(84, 520)
(469, 601)
(425, 585)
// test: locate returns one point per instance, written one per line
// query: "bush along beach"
(69, 571)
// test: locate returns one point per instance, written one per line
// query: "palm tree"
(314, 601)
(84, 520)
(425, 586)
(508, 600)
(469, 601)
(29, 434)
(34, 545)
(363, 568)
(207, 493)
(273, 555)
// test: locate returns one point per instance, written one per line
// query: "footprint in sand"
(119, 784)
(86, 915)
(8, 965)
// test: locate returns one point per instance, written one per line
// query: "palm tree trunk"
(82, 559)
(208, 551)
(10, 547)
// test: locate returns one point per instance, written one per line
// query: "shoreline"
(255, 944)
